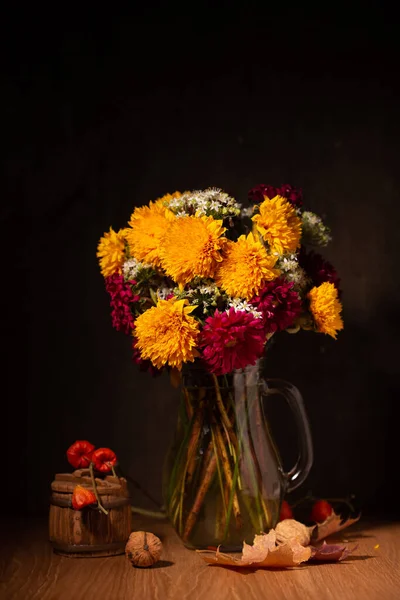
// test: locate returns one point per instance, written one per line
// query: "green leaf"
(153, 296)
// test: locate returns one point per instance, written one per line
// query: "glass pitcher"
(223, 480)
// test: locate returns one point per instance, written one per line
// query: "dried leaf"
(263, 553)
(331, 552)
(331, 525)
(261, 546)
(290, 529)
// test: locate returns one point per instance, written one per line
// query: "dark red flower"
(79, 454)
(279, 305)
(318, 269)
(104, 459)
(232, 340)
(121, 300)
(82, 497)
(294, 195)
(259, 192)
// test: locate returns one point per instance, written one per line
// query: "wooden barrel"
(89, 532)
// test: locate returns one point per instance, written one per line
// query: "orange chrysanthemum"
(192, 248)
(147, 227)
(326, 307)
(167, 334)
(111, 252)
(279, 225)
(245, 268)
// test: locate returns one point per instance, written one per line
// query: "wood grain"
(30, 570)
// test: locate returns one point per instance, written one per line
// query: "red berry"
(320, 511)
(286, 511)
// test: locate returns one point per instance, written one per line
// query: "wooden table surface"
(30, 570)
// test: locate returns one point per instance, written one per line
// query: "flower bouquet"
(202, 283)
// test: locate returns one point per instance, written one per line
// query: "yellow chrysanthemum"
(147, 227)
(167, 334)
(111, 252)
(279, 225)
(192, 248)
(326, 307)
(245, 268)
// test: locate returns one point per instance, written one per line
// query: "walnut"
(143, 549)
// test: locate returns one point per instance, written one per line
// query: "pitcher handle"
(299, 472)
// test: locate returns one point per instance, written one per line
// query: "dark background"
(103, 112)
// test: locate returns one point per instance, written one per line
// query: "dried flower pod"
(104, 459)
(82, 497)
(79, 454)
(143, 549)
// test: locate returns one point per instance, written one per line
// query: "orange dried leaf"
(82, 497)
(263, 553)
(331, 525)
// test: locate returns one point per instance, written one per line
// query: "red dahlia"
(232, 340)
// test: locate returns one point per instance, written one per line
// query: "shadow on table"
(161, 564)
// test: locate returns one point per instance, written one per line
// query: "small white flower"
(202, 202)
(131, 267)
(214, 205)
(248, 211)
(209, 289)
(163, 292)
(243, 305)
(175, 203)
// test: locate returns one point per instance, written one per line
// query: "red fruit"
(320, 511)
(286, 511)
(104, 459)
(79, 455)
(82, 497)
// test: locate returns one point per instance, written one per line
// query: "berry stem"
(101, 507)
